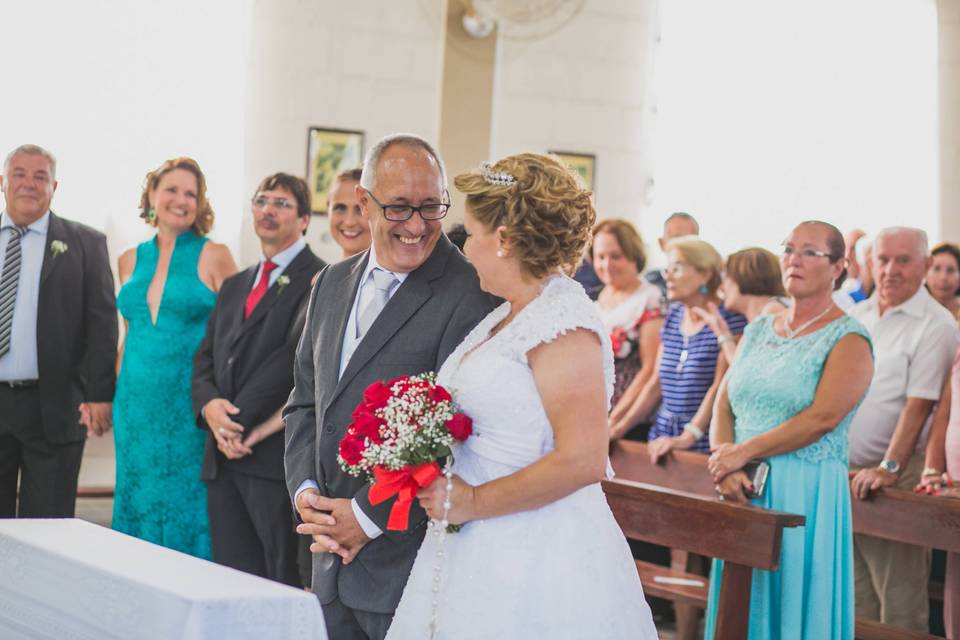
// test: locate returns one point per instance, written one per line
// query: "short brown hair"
(631, 244)
(546, 211)
(295, 185)
(756, 272)
(353, 175)
(836, 245)
(204, 222)
(701, 255)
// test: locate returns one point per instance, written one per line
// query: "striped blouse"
(687, 368)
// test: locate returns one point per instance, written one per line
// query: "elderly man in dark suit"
(399, 308)
(243, 374)
(58, 341)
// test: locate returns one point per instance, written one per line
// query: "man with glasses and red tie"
(399, 308)
(58, 341)
(242, 375)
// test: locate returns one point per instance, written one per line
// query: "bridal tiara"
(496, 178)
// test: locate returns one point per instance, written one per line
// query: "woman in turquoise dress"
(169, 286)
(789, 398)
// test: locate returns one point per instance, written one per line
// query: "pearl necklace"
(793, 333)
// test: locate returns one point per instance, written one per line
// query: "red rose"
(367, 425)
(439, 394)
(460, 426)
(376, 395)
(351, 451)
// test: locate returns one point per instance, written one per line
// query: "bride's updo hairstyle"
(547, 213)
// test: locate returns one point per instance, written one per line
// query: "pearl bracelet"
(693, 430)
(724, 338)
(930, 471)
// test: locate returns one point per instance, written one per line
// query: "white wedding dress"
(561, 571)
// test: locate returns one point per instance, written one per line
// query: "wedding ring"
(222, 431)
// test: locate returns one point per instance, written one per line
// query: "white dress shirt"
(20, 362)
(350, 342)
(914, 345)
(282, 260)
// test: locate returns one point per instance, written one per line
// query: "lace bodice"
(491, 380)
(775, 378)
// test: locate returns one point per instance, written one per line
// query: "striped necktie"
(8, 286)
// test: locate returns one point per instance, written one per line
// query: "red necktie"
(257, 293)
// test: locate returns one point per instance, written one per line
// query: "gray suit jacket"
(427, 317)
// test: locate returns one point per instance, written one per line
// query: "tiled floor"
(97, 469)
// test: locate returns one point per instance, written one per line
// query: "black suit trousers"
(251, 526)
(47, 471)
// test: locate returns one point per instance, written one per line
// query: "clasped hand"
(462, 500)
(226, 432)
(725, 459)
(332, 525)
(97, 417)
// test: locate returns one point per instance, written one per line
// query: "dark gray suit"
(427, 317)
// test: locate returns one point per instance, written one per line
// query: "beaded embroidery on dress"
(561, 571)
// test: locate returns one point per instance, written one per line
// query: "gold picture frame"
(583, 164)
(330, 151)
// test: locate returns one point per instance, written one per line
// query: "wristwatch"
(890, 466)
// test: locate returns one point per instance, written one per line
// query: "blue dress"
(687, 367)
(811, 596)
(159, 496)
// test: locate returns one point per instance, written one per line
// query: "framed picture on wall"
(330, 151)
(585, 164)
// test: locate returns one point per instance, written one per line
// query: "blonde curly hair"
(546, 211)
(204, 222)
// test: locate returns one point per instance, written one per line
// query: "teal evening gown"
(159, 496)
(811, 596)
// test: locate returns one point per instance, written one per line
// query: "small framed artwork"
(584, 164)
(330, 151)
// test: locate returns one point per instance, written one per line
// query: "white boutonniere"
(282, 282)
(57, 247)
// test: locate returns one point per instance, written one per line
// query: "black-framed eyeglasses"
(260, 202)
(807, 254)
(403, 212)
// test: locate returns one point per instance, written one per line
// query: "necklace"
(793, 333)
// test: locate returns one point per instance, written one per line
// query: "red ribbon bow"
(403, 483)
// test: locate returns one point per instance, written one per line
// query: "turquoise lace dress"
(159, 496)
(811, 596)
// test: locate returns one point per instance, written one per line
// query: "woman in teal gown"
(169, 288)
(789, 398)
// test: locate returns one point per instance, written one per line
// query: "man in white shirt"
(914, 339)
(398, 309)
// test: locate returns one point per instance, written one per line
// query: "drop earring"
(703, 290)
(151, 214)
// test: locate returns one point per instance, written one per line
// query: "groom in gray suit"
(398, 309)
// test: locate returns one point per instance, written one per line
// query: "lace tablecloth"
(73, 579)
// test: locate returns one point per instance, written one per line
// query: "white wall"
(367, 65)
(584, 88)
(773, 112)
(114, 88)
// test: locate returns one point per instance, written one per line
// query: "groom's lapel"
(411, 295)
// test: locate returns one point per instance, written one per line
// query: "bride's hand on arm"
(569, 376)
(432, 497)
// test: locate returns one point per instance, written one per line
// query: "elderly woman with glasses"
(687, 372)
(789, 398)
(168, 288)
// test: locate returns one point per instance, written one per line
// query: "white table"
(72, 579)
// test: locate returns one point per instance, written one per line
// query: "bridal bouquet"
(399, 431)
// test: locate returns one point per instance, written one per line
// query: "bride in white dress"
(539, 554)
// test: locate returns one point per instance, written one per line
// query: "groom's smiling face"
(405, 175)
